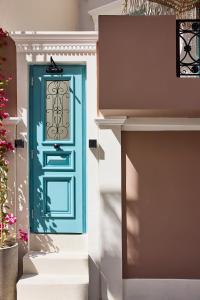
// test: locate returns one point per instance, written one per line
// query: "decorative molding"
(14, 121)
(113, 8)
(161, 124)
(110, 121)
(41, 41)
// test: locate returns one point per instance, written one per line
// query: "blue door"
(57, 150)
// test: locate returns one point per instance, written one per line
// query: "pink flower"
(3, 132)
(23, 235)
(9, 146)
(2, 92)
(3, 143)
(10, 219)
(4, 115)
(3, 99)
(6, 145)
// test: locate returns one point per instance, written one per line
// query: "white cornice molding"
(150, 124)
(110, 121)
(69, 41)
(161, 124)
(113, 8)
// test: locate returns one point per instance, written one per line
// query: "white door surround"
(66, 48)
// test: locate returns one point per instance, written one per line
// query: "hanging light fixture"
(53, 68)
(180, 7)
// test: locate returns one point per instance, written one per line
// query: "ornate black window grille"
(188, 48)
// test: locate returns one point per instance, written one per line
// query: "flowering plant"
(6, 219)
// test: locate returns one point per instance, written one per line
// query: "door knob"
(56, 146)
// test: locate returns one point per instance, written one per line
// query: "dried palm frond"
(182, 8)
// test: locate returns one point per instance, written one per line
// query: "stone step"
(60, 263)
(59, 242)
(52, 287)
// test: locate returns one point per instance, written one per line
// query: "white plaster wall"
(11, 156)
(93, 200)
(45, 15)
(103, 171)
(40, 15)
(110, 218)
(22, 154)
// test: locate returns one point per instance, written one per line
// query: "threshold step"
(52, 287)
(61, 263)
(59, 242)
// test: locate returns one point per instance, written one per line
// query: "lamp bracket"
(53, 68)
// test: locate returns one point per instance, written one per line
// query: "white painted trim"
(12, 121)
(26, 57)
(107, 9)
(42, 41)
(156, 289)
(113, 8)
(161, 124)
(111, 121)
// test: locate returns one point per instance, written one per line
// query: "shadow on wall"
(22, 210)
(111, 269)
(22, 204)
(161, 205)
(94, 275)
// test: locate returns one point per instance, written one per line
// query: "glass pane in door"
(58, 110)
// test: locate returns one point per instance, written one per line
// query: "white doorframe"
(67, 48)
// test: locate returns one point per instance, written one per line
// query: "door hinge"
(32, 81)
(32, 154)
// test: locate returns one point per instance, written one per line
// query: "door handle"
(56, 146)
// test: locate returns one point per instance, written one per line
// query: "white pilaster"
(111, 212)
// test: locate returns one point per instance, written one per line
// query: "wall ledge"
(111, 121)
(161, 124)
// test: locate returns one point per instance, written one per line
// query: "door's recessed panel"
(58, 160)
(59, 197)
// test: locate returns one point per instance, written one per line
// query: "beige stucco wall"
(160, 180)
(48, 15)
(39, 15)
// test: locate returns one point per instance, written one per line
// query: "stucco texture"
(161, 207)
(35, 15)
(137, 68)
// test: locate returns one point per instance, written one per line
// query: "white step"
(49, 287)
(59, 242)
(62, 263)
